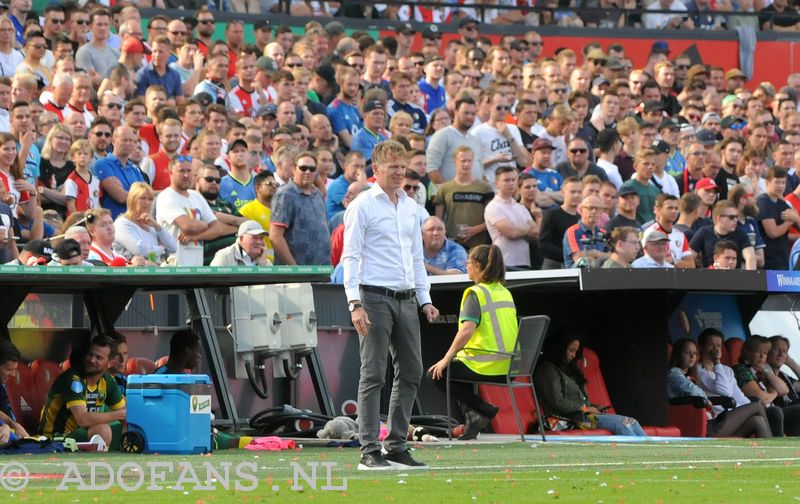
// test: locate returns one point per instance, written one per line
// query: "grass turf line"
(515, 472)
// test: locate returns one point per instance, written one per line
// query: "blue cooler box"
(172, 413)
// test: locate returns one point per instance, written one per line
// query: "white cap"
(251, 227)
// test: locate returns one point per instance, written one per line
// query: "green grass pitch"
(715, 471)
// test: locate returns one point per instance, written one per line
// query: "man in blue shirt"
(9, 360)
(117, 173)
(158, 73)
(435, 96)
(441, 256)
(371, 134)
(343, 111)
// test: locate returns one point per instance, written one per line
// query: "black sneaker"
(374, 461)
(403, 460)
(474, 423)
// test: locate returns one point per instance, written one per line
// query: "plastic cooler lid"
(170, 379)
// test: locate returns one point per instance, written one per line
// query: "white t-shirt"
(516, 252)
(494, 144)
(9, 62)
(170, 205)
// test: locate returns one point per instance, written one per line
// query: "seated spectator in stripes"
(584, 243)
(666, 211)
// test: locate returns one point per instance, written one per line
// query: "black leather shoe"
(474, 424)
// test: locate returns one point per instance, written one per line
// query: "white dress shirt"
(720, 381)
(383, 245)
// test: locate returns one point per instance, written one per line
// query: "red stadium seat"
(45, 373)
(504, 422)
(24, 399)
(140, 366)
(734, 347)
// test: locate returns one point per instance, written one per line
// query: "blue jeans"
(620, 425)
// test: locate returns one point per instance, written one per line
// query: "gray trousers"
(395, 329)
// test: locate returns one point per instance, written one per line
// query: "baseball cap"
(626, 191)
(251, 227)
(696, 70)
(40, 248)
(237, 143)
(374, 105)
(267, 65)
(266, 110)
(710, 116)
(467, 20)
(519, 45)
(334, 28)
(132, 45)
(541, 143)
(660, 47)
(431, 31)
(670, 124)
(67, 249)
(600, 81)
(327, 73)
(660, 147)
(433, 58)
(406, 29)
(706, 183)
(261, 24)
(732, 122)
(734, 73)
(655, 236)
(653, 106)
(706, 137)
(614, 64)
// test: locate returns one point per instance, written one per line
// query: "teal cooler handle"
(154, 392)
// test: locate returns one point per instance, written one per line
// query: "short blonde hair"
(398, 117)
(80, 145)
(387, 151)
(137, 190)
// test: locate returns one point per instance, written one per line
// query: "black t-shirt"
(621, 221)
(706, 238)
(788, 17)
(725, 181)
(776, 252)
(554, 224)
(527, 139)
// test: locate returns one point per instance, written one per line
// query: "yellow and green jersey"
(70, 389)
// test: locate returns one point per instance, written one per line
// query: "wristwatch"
(354, 306)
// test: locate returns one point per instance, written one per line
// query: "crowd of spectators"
(147, 144)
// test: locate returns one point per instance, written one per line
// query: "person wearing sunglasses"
(501, 143)
(725, 227)
(298, 224)
(35, 50)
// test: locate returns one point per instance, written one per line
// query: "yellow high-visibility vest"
(497, 330)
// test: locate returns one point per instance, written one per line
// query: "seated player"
(117, 364)
(184, 353)
(9, 359)
(85, 399)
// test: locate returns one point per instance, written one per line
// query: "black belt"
(396, 294)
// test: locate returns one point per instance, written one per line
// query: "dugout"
(627, 316)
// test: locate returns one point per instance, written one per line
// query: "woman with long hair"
(747, 420)
(55, 167)
(485, 307)
(561, 387)
(21, 191)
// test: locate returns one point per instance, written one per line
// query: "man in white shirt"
(501, 143)
(656, 248)
(385, 279)
(610, 145)
(10, 57)
(509, 223)
(677, 18)
(186, 214)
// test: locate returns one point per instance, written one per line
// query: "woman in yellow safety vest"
(487, 322)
